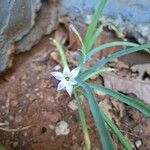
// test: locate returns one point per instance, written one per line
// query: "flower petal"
(57, 75)
(61, 85)
(66, 72)
(72, 81)
(69, 89)
(75, 72)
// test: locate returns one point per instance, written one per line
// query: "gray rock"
(132, 16)
(46, 23)
(17, 17)
(62, 128)
(19, 30)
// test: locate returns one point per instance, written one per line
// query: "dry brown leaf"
(71, 57)
(128, 85)
(143, 71)
(106, 106)
(61, 34)
(118, 64)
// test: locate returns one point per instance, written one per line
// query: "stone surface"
(72, 105)
(132, 16)
(21, 27)
(62, 128)
(16, 19)
(45, 24)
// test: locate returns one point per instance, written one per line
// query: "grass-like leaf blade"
(101, 63)
(93, 24)
(117, 132)
(123, 98)
(107, 45)
(61, 52)
(98, 117)
(101, 70)
(83, 122)
(119, 54)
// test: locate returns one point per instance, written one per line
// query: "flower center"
(67, 78)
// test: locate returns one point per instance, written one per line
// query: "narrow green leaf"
(93, 24)
(112, 26)
(100, 30)
(97, 115)
(119, 54)
(2, 148)
(114, 128)
(107, 45)
(102, 70)
(78, 35)
(110, 58)
(94, 37)
(83, 122)
(82, 57)
(123, 98)
(117, 132)
(61, 52)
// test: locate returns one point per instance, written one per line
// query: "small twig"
(134, 135)
(3, 123)
(15, 130)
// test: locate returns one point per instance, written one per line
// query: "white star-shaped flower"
(67, 79)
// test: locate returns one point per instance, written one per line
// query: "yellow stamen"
(67, 78)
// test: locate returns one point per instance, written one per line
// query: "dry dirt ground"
(30, 107)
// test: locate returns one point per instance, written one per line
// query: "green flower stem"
(61, 52)
(123, 98)
(93, 24)
(117, 132)
(83, 121)
(98, 117)
(101, 63)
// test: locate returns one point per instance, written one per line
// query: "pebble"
(39, 68)
(36, 90)
(15, 144)
(11, 117)
(12, 77)
(18, 119)
(57, 67)
(55, 117)
(38, 78)
(51, 127)
(138, 143)
(6, 123)
(24, 77)
(7, 103)
(50, 99)
(3, 107)
(99, 93)
(106, 106)
(24, 83)
(25, 134)
(72, 105)
(41, 96)
(27, 95)
(62, 128)
(14, 103)
(32, 97)
(55, 56)
(74, 137)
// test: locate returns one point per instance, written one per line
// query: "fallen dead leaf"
(106, 106)
(128, 85)
(118, 64)
(143, 71)
(120, 108)
(61, 34)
